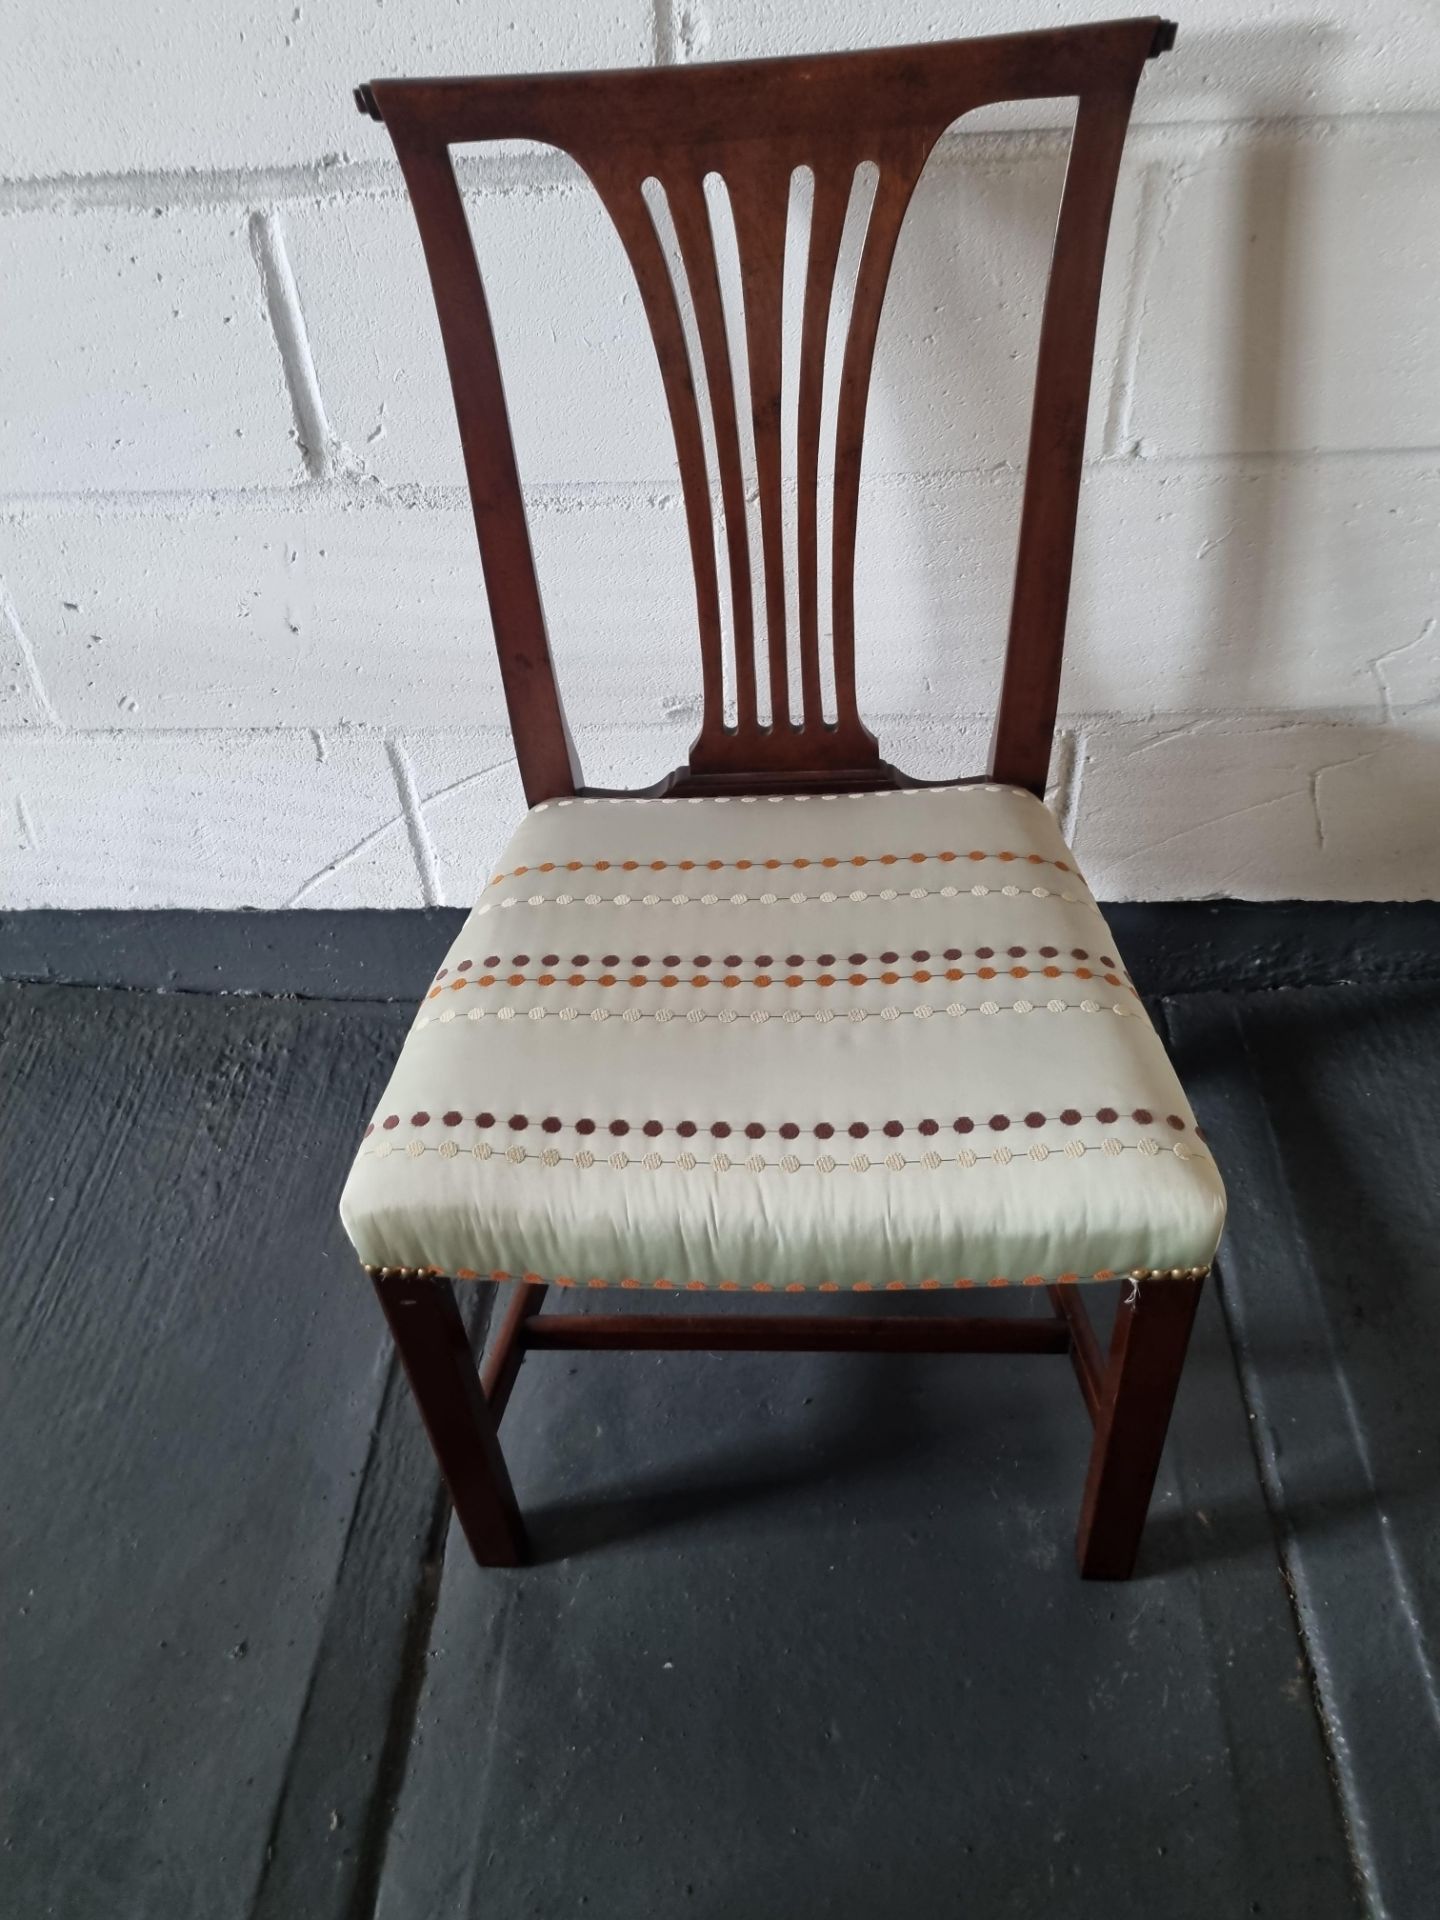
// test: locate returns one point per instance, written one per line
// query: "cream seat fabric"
(861, 1041)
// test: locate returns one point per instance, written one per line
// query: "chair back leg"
(1147, 1353)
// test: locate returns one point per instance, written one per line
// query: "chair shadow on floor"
(864, 1424)
(853, 1423)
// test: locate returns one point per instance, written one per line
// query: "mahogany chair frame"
(754, 124)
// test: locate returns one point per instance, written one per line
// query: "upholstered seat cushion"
(861, 1041)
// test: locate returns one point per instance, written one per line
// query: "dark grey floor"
(803, 1636)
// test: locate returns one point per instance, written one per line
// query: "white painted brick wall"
(244, 656)
(120, 86)
(1293, 305)
(136, 351)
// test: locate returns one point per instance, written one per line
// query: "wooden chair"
(754, 124)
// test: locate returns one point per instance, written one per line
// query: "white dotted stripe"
(773, 799)
(1037, 1154)
(791, 1016)
(826, 899)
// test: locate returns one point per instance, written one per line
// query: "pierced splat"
(702, 383)
(650, 141)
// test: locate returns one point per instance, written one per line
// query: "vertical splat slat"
(833, 175)
(900, 163)
(625, 202)
(685, 191)
(760, 201)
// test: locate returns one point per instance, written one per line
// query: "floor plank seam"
(401, 1721)
(394, 1759)
(1331, 1737)
(256, 1906)
(1346, 1800)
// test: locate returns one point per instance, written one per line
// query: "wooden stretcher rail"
(794, 1333)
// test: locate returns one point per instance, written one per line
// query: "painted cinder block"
(135, 352)
(239, 83)
(215, 819)
(1291, 300)
(1232, 61)
(1257, 809)
(1254, 664)
(955, 358)
(1277, 584)
(371, 615)
(250, 618)
(1221, 587)
(149, 84)
(1199, 587)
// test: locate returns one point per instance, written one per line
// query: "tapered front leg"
(1147, 1354)
(434, 1349)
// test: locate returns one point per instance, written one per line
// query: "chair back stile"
(649, 142)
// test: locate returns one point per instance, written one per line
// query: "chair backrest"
(754, 124)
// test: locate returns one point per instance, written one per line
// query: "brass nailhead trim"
(765, 1286)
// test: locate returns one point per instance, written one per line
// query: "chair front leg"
(1147, 1355)
(434, 1350)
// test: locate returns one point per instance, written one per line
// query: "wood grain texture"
(504, 1360)
(1085, 1354)
(796, 1333)
(1142, 1373)
(434, 1347)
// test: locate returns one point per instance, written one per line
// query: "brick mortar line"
(325, 179)
(317, 444)
(412, 807)
(382, 731)
(10, 623)
(1157, 188)
(342, 489)
(665, 30)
